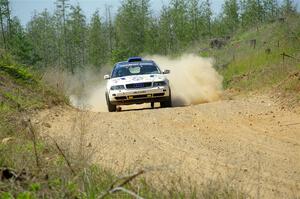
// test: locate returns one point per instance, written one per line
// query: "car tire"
(167, 103)
(110, 107)
(152, 105)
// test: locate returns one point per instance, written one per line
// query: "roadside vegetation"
(264, 58)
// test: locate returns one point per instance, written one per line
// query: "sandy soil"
(252, 143)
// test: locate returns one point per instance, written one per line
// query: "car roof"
(126, 63)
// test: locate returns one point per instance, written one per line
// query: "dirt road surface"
(252, 143)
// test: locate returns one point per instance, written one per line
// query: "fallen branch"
(126, 191)
(289, 56)
(129, 178)
(124, 180)
(33, 138)
(63, 155)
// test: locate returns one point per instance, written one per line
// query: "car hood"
(136, 79)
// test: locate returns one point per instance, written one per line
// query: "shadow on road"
(147, 106)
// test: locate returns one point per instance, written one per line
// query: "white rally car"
(137, 81)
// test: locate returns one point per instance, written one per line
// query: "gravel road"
(252, 143)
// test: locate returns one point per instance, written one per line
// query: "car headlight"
(162, 83)
(117, 87)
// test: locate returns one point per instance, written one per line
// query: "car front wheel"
(167, 103)
(110, 107)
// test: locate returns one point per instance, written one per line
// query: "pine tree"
(41, 32)
(207, 17)
(109, 30)
(271, 9)
(174, 27)
(97, 45)
(252, 12)
(152, 45)
(288, 7)
(179, 16)
(20, 46)
(195, 20)
(230, 15)
(167, 36)
(61, 13)
(76, 40)
(66, 40)
(130, 25)
(5, 22)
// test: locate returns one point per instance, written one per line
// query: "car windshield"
(135, 69)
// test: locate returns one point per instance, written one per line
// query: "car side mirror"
(106, 77)
(166, 71)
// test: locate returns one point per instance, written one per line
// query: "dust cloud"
(193, 81)
(85, 88)
(94, 99)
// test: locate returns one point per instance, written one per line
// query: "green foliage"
(288, 7)
(34, 187)
(131, 24)
(6, 58)
(230, 17)
(19, 45)
(248, 68)
(65, 39)
(6, 195)
(25, 195)
(97, 44)
(271, 8)
(5, 23)
(252, 12)
(21, 90)
(118, 55)
(42, 35)
(76, 39)
(19, 73)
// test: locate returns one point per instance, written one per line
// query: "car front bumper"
(139, 96)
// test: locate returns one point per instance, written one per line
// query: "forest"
(66, 39)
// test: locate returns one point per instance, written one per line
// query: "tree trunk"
(8, 20)
(2, 29)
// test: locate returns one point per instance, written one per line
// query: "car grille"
(158, 95)
(132, 97)
(139, 96)
(139, 85)
(121, 98)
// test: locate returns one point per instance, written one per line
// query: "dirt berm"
(252, 143)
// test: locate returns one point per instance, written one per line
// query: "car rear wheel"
(110, 107)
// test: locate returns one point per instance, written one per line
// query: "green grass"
(247, 69)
